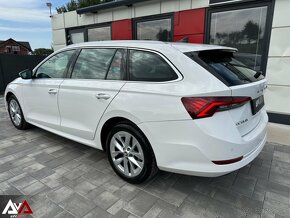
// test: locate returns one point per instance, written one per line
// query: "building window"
(245, 27)
(8, 49)
(15, 48)
(89, 34)
(99, 34)
(154, 28)
(76, 36)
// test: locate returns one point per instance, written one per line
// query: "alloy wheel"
(15, 112)
(127, 154)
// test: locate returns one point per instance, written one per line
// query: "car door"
(96, 78)
(40, 94)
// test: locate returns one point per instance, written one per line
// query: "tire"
(16, 114)
(127, 144)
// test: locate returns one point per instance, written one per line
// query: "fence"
(11, 65)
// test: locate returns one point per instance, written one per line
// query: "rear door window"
(117, 70)
(224, 66)
(148, 66)
(93, 63)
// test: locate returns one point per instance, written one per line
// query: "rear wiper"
(259, 73)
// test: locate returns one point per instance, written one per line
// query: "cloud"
(24, 15)
(29, 30)
(21, 3)
(24, 11)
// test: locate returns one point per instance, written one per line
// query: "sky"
(27, 20)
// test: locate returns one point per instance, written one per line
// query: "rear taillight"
(200, 107)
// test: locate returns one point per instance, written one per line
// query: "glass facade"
(99, 34)
(77, 37)
(243, 29)
(89, 34)
(159, 29)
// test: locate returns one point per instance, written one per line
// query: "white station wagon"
(185, 108)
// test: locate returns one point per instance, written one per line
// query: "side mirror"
(26, 74)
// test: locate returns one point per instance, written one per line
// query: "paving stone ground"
(66, 179)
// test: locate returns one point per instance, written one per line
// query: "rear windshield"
(225, 67)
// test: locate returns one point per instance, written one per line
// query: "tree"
(76, 4)
(72, 5)
(42, 51)
(220, 38)
(163, 35)
(61, 9)
(86, 3)
(251, 31)
(235, 37)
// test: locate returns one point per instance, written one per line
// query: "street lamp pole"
(48, 4)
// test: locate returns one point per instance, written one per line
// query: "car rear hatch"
(249, 115)
(243, 82)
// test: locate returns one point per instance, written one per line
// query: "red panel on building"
(122, 29)
(189, 23)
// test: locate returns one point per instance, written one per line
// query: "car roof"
(153, 45)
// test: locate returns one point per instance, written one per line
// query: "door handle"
(52, 91)
(102, 96)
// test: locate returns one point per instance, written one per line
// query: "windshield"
(225, 67)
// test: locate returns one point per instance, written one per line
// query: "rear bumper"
(213, 170)
(188, 148)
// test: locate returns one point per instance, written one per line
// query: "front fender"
(16, 90)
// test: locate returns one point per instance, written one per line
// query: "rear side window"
(93, 63)
(148, 66)
(224, 66)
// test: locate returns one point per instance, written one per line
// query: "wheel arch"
(109, 123)
(13, 89)
(107, 126)
(8, 95)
